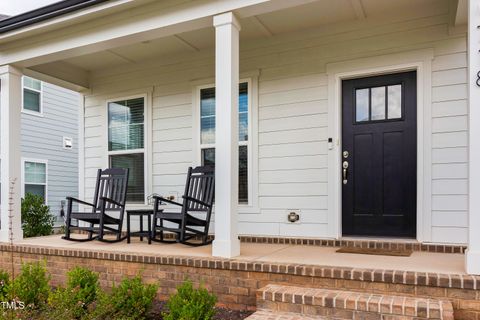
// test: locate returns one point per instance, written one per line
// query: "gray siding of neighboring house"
(42, 139)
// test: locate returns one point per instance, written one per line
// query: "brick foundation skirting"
(235, 282)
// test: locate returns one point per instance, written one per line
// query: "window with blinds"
(126, 138)
(32, 95)
(207, 134)
(35, 178)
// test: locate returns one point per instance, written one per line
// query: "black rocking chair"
(110, 196)
(198, 199)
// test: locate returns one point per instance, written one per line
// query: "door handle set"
(345, 167)
(345, 173)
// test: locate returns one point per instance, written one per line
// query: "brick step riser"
(350, 305)
(331, 313)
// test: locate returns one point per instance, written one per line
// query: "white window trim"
(34, 160)
(146, 143)
(252, 144)
(419, 61)
(30, 112)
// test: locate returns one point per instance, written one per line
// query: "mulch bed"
(221, 314)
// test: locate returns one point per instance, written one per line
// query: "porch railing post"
(10, 153)
(472, 256)
(226, 243)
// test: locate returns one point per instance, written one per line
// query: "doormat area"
(376, 251)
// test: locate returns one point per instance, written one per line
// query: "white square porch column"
(226, 243)
(10, 111)
(472, 255)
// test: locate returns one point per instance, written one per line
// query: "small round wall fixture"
(293, 216)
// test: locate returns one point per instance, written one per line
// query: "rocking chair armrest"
(197, 201)
(112, 201)
(167, 200)
(80, 201)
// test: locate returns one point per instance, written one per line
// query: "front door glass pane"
(378, 103)
(362, 105)
(395, 101)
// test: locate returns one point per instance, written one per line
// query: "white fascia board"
(73, 17)
(81, 39)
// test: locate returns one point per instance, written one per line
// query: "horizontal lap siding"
(449, 150)
(95, 142)
(293, 122)
(172, 138)
(42, 138)
(293, 119)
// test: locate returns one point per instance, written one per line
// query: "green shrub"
(4, 284)
(73, 301)
(190, 304)
(132, 299)
(36, 217)
(84, 282)
(31, 285)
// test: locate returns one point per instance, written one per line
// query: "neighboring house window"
(35, 178)
(126, 137)
(32, 95)
(207, 134)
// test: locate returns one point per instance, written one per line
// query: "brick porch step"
(339, 304)
(276, 315)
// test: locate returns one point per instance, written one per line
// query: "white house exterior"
(416, 62)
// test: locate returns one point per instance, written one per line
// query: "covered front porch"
(240, 283)
(286, 138)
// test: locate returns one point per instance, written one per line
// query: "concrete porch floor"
(446, 263)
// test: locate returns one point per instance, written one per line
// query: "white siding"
(449, 152)
(293, 118)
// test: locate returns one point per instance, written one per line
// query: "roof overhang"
(44, 13)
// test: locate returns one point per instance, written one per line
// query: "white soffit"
(307, 16)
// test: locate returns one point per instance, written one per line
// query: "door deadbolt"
(345, 154)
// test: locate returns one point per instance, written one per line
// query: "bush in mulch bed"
(29, 296)
(190, 303)
(160, 307)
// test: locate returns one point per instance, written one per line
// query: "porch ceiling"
(318, 14)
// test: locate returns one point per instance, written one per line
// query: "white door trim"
(419, 60)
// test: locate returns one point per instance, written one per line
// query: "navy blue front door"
(379, 155)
